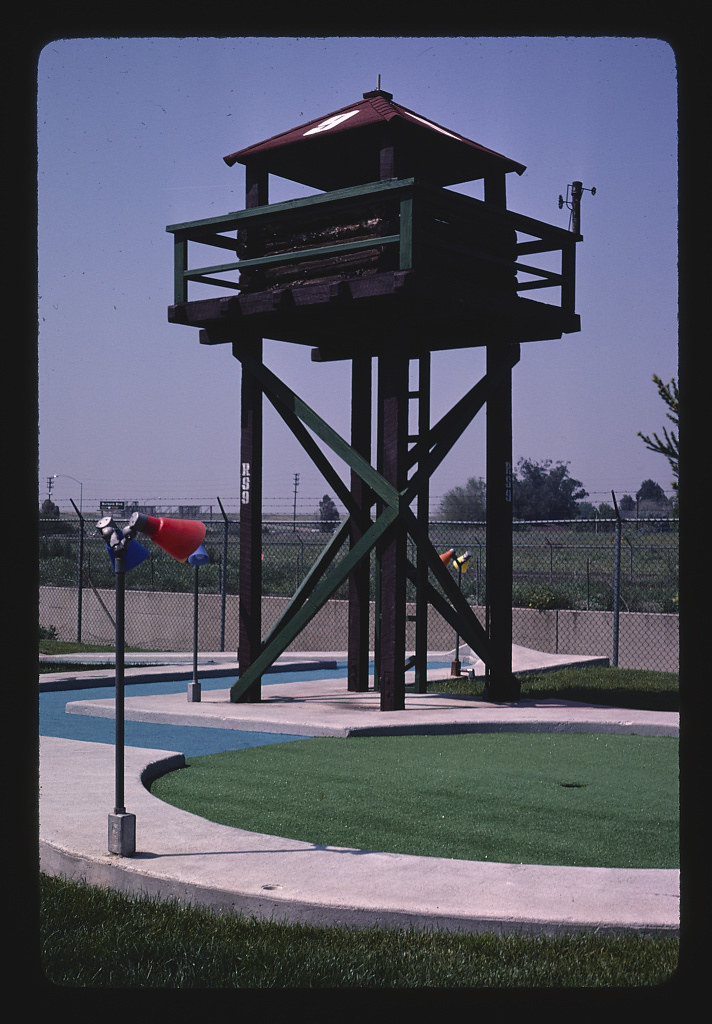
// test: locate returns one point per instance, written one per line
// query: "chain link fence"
(607, 588)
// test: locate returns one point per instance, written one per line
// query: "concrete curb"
(184, 857)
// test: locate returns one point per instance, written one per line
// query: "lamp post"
(124, 555)
(199, 557)
(180, 538)
(461, 561)
(66, 476)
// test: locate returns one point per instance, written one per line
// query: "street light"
(66, 476)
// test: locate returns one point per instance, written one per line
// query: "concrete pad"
(182, 856)
(326, 708)
(524, 660)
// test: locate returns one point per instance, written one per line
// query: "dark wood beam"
(250, 586)
(360, 578)
(393, 413)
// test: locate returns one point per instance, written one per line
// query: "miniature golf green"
(535, 798)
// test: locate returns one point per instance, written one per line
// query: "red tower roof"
(343, 148)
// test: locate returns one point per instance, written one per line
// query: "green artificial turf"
(544, 798)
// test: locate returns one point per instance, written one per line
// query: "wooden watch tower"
(386, 264)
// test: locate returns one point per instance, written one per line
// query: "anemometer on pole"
(574, 193)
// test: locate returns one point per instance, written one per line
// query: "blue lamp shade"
(199, 557)
(135, 554)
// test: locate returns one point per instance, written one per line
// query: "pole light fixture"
(66, 476)
(179, 537)
(447, 556)
(125, 553)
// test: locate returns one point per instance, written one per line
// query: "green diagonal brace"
(313, 450)
(450, 427)
(321, 595)
(308, 585)
(469, 628)
(279, 391)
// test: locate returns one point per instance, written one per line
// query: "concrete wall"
(164, 621)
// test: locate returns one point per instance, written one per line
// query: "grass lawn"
(543, 798)
(96, 938)
(50, 647)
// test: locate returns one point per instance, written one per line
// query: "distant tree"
(627, 503)
(585, 510)
(328, 514)
(49, 510)
(466, 504)
(669, 444)
(650, 491)
(542, 490)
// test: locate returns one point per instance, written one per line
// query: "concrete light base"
(122, 834)
(193, 693)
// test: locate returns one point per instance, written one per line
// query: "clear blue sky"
(131, 136)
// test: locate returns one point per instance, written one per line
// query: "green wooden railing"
(414, 203)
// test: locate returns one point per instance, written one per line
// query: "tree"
(49, 510)
(542, 490)
(669, 444)
(328, 514)
(466, 504)
(652, 492)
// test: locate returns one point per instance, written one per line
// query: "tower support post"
(360, 578)
(250, 586)
(500, 685)
(393, 413)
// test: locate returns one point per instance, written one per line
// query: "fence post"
(616, 583)
(80, 573)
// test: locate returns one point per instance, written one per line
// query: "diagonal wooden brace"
(285, 399)
(299, 619)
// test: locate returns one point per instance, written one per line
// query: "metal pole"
(296, 485)
(616, 584)
(456, 667)
(80, 572)
(576, 193)
(223, 577)
(122, 826)
(120, 572)
(194, 687)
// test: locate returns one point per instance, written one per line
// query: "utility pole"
(296, 485)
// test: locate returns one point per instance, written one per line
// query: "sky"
(131, 138)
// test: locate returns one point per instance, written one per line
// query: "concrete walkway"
(184, 856)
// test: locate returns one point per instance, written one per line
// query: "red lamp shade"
(179, 537)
